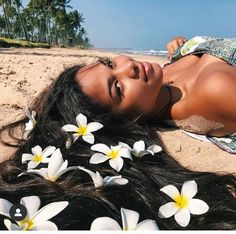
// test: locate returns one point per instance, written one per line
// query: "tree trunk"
(21, 21)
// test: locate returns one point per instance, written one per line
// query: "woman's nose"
(125, 67)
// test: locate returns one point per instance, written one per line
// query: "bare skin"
(202, 88)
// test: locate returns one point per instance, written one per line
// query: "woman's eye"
(118, 89)
(110, 64)
(136, 71)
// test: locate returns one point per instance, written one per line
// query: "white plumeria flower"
(191, 45)
(38, 156)
(139, 148)
(35, 219)
(114, 154)
(83, 129)
(183, 204)
(129, 222)
(29, 125)
(56, 167)
(99, 181)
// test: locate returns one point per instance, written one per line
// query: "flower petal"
(32, 204)
(182, 217)
(155, 148)
(147, 224)
(189, 189)
(69, 128)
(139, 145)
(94, 126)
(32, 165)
(45, 225)
(144, 152)
(116, 147)
(48, 151)
(98, 158)
(11, 226)
(5, 207)
(42, 172)
(81, 120)
(29, 126)
(89, 137)
(114, 180)
(66, 170)
(105, 223)
(33, 115)
(125, 145)
(25, 134)
(37, 150)
(96, 177)
(171, 191)
(125, 153)
(116, 163)
(101, 148)
(129, 219)
(197, 207)
(26, 157)
(167, 210)
(63, 166)
(75, 137)
(55, 162)
(68, 143)
(49, 211)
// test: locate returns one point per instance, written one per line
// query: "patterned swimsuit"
(224, 49)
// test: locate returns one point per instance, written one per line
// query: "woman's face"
(123, 85)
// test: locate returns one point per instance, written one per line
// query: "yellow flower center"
(181, 201)
(82, 130)
(27, 224)
(53, 178)
(113, 154)
(38, 158)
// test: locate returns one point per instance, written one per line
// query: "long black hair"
(58, 105)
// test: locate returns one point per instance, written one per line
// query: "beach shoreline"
(24, 73)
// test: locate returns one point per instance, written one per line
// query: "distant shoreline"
(150, 52)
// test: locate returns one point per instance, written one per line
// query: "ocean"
(151, 52)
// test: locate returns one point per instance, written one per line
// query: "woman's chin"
(158, 73)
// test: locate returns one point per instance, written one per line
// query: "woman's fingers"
(175, 43)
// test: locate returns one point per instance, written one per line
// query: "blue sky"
(149, 24)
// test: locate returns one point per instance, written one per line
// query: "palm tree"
(4, 5)
(18, 4)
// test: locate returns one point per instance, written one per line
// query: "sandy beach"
(24, 73)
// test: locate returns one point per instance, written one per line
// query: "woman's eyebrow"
(110, 83)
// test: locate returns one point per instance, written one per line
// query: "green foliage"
(43, 21)
(7, 42)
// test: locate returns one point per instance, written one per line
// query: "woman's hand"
(174, 44)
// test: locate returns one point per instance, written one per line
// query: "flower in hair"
(139, 149)
(114, 154)
(129, 222)
(83, 129)
(30, 124)
(35, 219)
(99, 181)
(56, 167)
(184, 204)
(38, 156)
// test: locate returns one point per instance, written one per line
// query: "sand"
(26, 72)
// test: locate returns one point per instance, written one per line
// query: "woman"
(58, 112)
(187, 92)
